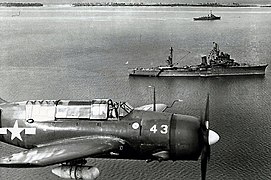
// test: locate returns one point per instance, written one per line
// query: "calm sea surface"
(82, 53)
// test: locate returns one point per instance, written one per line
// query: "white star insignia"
(16, 131)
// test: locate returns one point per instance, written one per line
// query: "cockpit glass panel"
(73, 109)
(98, 111)
(84, 112)
(40, 110)
(125, 108)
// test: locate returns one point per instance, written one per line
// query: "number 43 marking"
(163, 129)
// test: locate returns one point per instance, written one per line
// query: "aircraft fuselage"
(147, 134)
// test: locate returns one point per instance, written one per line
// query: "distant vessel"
(217, 63)
(14, 15)
(210, 16)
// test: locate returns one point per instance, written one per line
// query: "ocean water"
(84, 53)
(149, 1)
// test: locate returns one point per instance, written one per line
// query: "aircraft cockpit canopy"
(97, 109)
(125, 108)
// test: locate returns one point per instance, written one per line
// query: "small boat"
(18, 14)
(210, 16)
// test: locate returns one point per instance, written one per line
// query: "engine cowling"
(76, 172)
(185, 138)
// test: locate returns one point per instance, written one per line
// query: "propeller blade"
(203, 164)
(206, 115)
(206, 150)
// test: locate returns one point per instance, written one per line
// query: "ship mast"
(170, 58)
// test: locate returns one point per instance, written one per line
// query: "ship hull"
(206, 18)
(201, 72)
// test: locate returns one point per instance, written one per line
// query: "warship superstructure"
(210, 16)
(217, 63)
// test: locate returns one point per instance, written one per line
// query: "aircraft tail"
(2, 101)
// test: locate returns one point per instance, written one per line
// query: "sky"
(146, 1)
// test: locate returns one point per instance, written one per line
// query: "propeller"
(207, 140)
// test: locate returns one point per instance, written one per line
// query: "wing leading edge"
(62, 151)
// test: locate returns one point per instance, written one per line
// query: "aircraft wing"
(62, 151)
(149, 107)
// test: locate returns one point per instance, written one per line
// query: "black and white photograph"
(135, 89)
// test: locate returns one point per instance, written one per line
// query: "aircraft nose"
(213, 137)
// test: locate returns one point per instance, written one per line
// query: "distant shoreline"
(168, 4)
(17, 4)
(120, 4)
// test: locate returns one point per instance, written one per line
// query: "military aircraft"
(66, 132)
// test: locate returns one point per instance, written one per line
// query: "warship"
(210, 16)
(217, 63)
